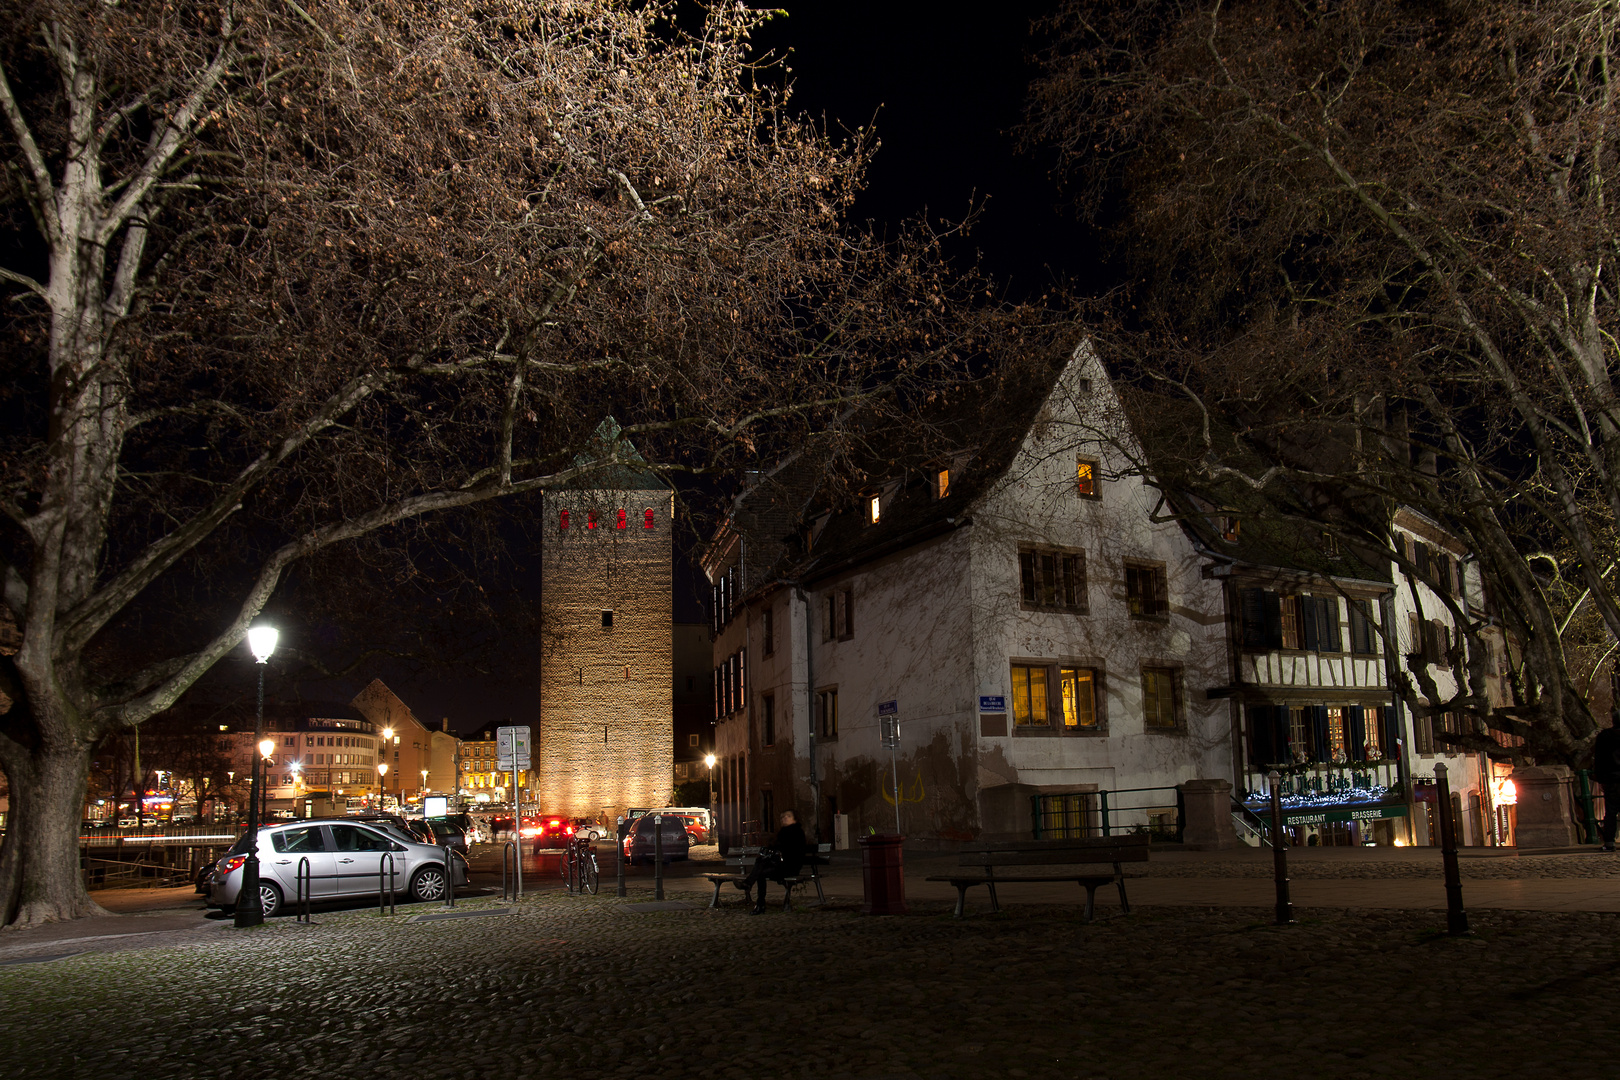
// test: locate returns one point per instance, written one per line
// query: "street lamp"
(388, 740)
(424, 781)
(382, 784)
(249, 904)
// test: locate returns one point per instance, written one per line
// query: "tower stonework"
(606, 733)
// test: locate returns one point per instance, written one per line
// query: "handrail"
(303, 885)
(1257, 824)
(1098, 806)
(388, 855)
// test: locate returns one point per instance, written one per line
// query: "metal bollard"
(1279, 852)
(385, 871)
(618, 862)
(302, 887)
(449, 876)
(1456, 917)
(658, 856)
(510, 849)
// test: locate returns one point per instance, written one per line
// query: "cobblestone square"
(594, 986)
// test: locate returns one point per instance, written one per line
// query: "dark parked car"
(638, 844)
(439, 832)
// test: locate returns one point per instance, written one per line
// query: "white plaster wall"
(1037, 503)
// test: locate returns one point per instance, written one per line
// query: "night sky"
(945, 84)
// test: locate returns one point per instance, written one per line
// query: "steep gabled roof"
(795, 526)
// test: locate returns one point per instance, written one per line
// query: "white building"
(1048, 647)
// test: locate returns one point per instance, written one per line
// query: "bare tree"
(286, 276)
(1370, 245)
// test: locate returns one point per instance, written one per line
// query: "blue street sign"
(992, 704)
(888, 708)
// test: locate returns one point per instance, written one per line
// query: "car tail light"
(230, 864)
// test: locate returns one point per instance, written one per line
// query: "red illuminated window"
(562, 520)
(590, 519)
(647, 518)
(622, 521)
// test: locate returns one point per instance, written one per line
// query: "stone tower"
(606, 716)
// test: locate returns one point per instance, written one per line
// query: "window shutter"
(1355, 728)
(1308, 623)
(1026, 573)
(1262, 737)
(1251, 605)
(1330, 624)
(849, 612)
(1272, 605)
(1319, 732)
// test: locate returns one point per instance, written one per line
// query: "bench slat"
(1062, 856)
(1129, 840)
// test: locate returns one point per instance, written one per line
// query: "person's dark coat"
(1606, 757)
(791, 847)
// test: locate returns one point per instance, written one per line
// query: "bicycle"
(579, 864)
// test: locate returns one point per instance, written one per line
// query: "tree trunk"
(39, 864)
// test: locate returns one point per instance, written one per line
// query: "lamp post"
(424, 783)
(382, 784)
(388, 741)
(266, 752)
(249, 904)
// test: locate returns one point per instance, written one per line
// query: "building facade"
(1046, 646)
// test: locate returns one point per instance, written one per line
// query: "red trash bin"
(883, 875)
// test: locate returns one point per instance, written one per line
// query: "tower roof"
(628, 473)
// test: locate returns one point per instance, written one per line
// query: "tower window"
(562, 520)
(607, 620)
(875, 509)
(590, 519)
(647, 518)
(622, 522)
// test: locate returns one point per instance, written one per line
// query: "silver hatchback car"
(346, 859)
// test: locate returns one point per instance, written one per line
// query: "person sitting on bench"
(782, 860)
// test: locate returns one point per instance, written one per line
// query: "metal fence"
(1158, 811)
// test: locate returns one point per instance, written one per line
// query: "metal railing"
(385, 881)
(1246, 820)
(1108, 813)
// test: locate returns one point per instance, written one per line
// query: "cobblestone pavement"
(599, 987)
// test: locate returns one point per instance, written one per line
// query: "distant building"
(694, 701)
(420, 760)
(605, 730)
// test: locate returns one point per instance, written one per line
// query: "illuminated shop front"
(1340, 771)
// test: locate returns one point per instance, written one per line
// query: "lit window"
(1231, 529)
(623, 521)
(1085, 475)
(1335, 733)
(942, 483)
(647, 518)
(562, 520)
(590, 519)
(875, 508)
(1029, 695)
(1078, 687)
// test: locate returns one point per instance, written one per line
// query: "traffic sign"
(512, 747)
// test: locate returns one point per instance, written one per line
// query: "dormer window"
(942, 483)
(1231, 528)
(874, 509)
(1085, 476)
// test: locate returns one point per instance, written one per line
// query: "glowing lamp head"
(262, 642)
(388, 733)
(266, 747)
(383, 769)
(708, 759)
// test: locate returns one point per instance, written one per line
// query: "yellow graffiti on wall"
(909, 793)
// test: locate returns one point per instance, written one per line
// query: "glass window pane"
(1079, 702)
(1020, 689)
(1049, 579)
(1037, 695)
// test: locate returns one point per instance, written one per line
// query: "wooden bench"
(743, 859)
(1080, 861)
